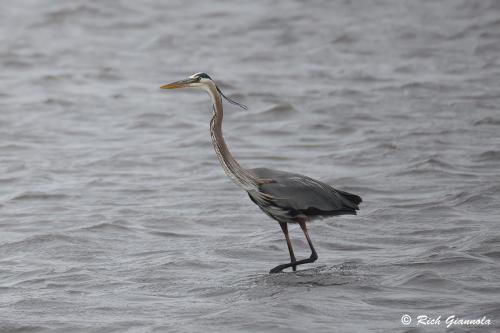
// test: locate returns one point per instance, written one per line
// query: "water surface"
(116, 217)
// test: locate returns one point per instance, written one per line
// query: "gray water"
(115, 215)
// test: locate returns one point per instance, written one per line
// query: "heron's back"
(295, 195)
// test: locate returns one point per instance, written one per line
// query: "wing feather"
(306, 195)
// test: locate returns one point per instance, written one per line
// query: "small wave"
(487, 47)
(32, 195)
(64, 77)
(73, 12)
(490, 155)
(12, 147)
(433, 163)
(492, 254)
(170, 234)
(275, 132)
(347, 92)
(433, 166)
(364, 117)
(136, 190)
(10, 180)
(387, 146)
(344, 39)
(107, 227)
(488, 121)
(486, 246)
(16, 63)
(153, 116)
(433, 172)
(466, 197)
(102, 183)
(425, 278)
(214, 292)
(364, 77)
(106, 73)
(145, 124)
(277, 112)
(58, 102)
(428, 85)
(442, 256)
(286, 38)
(78, 132)
(35, 242)
(151, 253)
(422, 52)
(434, 231)
(347, 246)
(20, 328)
(406, 69)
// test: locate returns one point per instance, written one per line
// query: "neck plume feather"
(238, 175)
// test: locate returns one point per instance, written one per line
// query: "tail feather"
(355, 199)
(314, 212)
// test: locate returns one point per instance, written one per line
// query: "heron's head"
(200, 81)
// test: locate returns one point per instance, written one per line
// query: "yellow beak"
(179, 84)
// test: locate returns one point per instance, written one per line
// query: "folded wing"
(304, 195)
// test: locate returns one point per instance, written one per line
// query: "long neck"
(231, 167)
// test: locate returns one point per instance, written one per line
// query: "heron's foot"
(278, 269)
(265, 181)
(281, 267)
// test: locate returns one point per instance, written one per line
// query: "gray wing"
(306, 195)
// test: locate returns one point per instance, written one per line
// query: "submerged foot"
(294, 264)
(279, 268)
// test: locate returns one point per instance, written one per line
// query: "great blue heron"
(284, 196)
